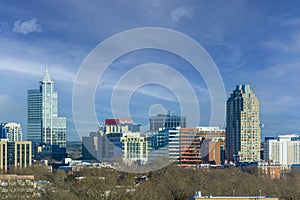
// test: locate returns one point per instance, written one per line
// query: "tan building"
(15, 154)
(213, 144)
(243, 126)
(211, 151)
(134, 149)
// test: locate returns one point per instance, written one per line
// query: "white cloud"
(26, 27)
(291, 22)
(292, 45)
(20, 66)
(179, 13)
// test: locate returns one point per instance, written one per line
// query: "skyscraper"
(243, 125)
(43, 124)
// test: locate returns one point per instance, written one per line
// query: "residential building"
(167, 121)
(44, 126)
(243, 126)
(271, 171)
(284, 150)
(11, 131)
(15, 154)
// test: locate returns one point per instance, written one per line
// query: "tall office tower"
(167, 121)
(243, 126)
(43, 124)
(11, 131)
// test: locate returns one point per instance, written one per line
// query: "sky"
(251, 42)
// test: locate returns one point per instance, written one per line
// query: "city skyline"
(258, 45)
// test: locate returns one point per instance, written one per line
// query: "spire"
(47, 78)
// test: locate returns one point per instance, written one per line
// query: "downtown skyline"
(251, 42)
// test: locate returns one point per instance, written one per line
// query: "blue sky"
(254, 42)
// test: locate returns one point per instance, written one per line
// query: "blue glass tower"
(43, 124)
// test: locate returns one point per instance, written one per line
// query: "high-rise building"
(11, 131)
(167, 121)
(284, 150)
(44, 126)
(243, 126)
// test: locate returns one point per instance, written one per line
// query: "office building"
(90, 146)
(157, 142)
(11, 131)
(105, 145)
(190, 147)
(15, 155)
(243, 126)
(174, 144)
(122, 125)
(44, 126)
(284, 150)
(167, 121)
(213, 145)
(134, 149)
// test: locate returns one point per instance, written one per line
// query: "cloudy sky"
(252, 42)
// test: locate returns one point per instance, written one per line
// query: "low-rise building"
(199, 196)
(15, 154)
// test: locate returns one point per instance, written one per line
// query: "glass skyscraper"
(43, 124)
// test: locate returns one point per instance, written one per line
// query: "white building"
(174, 144)
(285, 150)
(12, 132)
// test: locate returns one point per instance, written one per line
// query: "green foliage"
(172, 182)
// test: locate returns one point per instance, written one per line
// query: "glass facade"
(167, 121)
(43, 124)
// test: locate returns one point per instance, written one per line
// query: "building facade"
(167, 121)
(15, 154)
(213, 145)
(44, 126)
(284, 150)
(11, 131)
(174, 144)
(243, 126)
(134, 149)
(190, 147)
